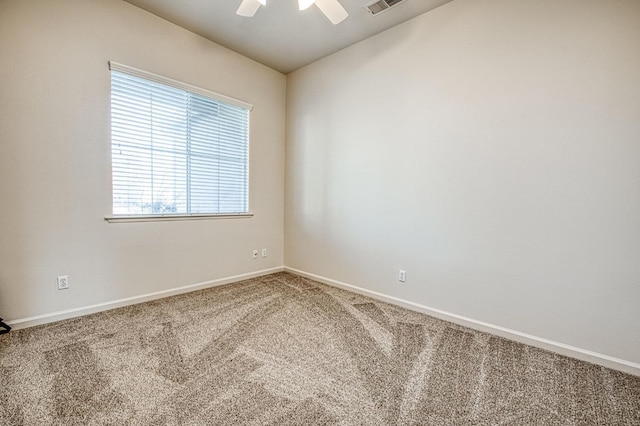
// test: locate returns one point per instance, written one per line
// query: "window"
(176, 150)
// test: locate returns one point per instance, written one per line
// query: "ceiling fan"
(331, 8)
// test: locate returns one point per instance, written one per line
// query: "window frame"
(153, 217)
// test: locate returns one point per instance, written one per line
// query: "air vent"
(381, 5)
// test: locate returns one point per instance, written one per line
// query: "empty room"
(353, 212)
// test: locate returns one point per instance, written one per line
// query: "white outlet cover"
(63, 282)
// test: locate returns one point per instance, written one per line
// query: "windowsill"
(171, 217)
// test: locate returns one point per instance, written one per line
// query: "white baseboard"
(86, 310)
(527, 339)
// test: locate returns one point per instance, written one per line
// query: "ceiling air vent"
(381, 5)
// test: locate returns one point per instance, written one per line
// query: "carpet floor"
(285, 350)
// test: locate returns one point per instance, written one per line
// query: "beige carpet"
(283, 350)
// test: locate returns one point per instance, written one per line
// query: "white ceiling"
(279, 35)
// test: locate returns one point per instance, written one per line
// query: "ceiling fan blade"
(304, 4)
(248, 8)
(333, 10)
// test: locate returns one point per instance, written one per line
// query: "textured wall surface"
(55, 159)
(492, 150)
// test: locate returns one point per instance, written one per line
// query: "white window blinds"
(176, 149)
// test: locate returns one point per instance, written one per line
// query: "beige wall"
(492, 150)
(55, 186)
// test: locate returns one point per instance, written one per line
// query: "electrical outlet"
(402, 276)
(63, 282)
(264, 252)
(254, 254)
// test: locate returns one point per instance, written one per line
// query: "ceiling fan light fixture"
(305, 4)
